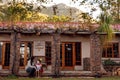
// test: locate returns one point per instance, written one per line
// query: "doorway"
(6, 55)
(70, 55)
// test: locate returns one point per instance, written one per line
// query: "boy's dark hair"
(39, 60)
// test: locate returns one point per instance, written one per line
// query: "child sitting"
(38, 67)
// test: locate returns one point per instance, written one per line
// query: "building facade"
(63, 51)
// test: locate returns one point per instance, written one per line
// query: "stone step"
(4, 72)
(75, 73)
(48, 73)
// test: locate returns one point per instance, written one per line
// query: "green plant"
(109, 62)
(105, 27)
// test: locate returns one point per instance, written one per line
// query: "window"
(61, 55)
(22, 52)
(111, 50)
(70, 54)
(78, 53)
(48, 53)
(7, 54)
(29, 49)
(25, 52)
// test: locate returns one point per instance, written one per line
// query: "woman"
(30, 68)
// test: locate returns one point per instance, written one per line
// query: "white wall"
(0, 67)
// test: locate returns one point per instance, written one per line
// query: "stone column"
(95, 55)
(55, 55)
(15, 53)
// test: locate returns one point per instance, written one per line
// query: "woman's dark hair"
(32, 58)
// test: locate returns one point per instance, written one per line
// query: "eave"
(52, 27)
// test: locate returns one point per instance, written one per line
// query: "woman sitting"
(30, 68)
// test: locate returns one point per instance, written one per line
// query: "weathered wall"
(85, 43)
(36, 38)
(38, 45)
(0, 67)
(4, 37)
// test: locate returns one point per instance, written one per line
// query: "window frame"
(48, 62)
(80, 53)
(25, 52)
(62, 53)
(3, 54)
(106, 46)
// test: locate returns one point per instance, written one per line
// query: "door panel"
(25, 53)
(68, 55)
(6, 54)
(22, 54)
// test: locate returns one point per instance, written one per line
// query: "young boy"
(38, 67)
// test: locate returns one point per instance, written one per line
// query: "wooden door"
(6, 55)
(25, 53)
(67, 56)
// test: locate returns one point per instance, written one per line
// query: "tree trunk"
(15, 53)
(95, 55)
(12, 51)
(55, 55)
(118, 11)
